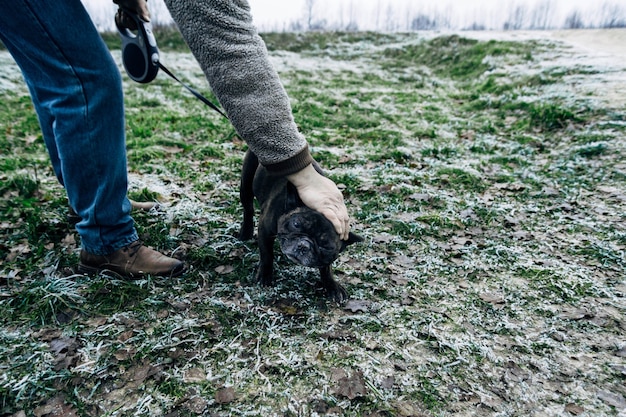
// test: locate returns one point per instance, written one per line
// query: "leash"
(140, 57)
(194, 92)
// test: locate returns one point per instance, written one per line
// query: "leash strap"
(192, 91)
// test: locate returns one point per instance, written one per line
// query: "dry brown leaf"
(196, 405)
(575, 314)
(358, 306)
(420, 197)
(614, 399)
(55, 407)
(351, 387)
(388, 382)
(225, 395)
(337, 373)
(496, 300)
(574, 409)
(125, 354)
(194, 375)
(64, 352)
(398, 279)
(224, 269)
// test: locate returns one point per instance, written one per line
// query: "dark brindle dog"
(306, 237)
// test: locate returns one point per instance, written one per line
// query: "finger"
(330, 214)
(346, 229)
(123, 20)
(139, 7)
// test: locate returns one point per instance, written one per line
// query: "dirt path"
(604, 50)
(609, 44)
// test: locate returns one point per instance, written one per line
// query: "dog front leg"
(265, 271)
(246, 195)
(334, 290)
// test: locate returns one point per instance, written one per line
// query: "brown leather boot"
(133, 261)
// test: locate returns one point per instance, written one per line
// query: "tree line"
(394, 16)
(416, 16)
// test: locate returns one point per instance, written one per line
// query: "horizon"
(404, 15)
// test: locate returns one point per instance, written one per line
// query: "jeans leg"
(77, 92)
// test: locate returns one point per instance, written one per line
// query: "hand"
(321, 194)
(138, 6)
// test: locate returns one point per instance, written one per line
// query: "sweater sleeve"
(234, 58)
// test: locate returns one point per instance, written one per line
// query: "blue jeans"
(76, 89)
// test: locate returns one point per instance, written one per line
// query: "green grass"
(490, 195)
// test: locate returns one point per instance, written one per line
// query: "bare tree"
(423, 22)
(517, 18)
(574, 20)
(353, 24)
(391, 23)
(309, 5)
(541, 14)
(612, 16)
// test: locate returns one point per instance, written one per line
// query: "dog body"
(306, 237)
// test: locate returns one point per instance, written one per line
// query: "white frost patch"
(10, 74)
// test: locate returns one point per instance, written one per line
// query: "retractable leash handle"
(140, 54)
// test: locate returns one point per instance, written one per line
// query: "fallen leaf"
(514, 187)
(496, 300)
(574, 409)
(575, 314)
(55, 407)
(406, 409)
(522, 235)
(137, 375)
(225, 395)
(196, 405)
(287, 306)
(613, 399)
(420, 197)
(224, 269)
(194, 375)
(510, 221)
(64, 352)
(468, 214)
(357, 306)
(125, 354)
(383, 238)
(399, 280)
(388, 382)
(351, 387)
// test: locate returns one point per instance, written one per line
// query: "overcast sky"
(376, 14)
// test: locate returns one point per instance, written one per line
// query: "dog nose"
(304, 246)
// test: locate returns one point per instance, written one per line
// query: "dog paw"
(246, 233)
(266, 280)
(337, 294)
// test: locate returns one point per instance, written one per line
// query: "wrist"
(302, 177)
(290, 166)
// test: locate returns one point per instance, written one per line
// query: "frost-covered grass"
(488, 178)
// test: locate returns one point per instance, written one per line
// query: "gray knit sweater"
(222, 37)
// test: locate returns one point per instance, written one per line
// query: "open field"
(486, 171)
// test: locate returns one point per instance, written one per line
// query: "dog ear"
(352, 238)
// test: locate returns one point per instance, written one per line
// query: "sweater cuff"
(291, 165)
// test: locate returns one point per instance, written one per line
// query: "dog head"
(308, 238)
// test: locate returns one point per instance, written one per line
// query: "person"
(76, 89)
